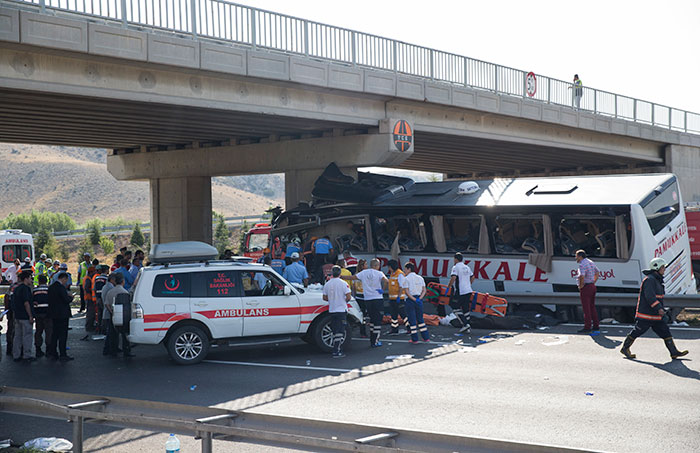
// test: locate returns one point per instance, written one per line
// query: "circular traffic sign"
(402, 135)
(531, 84)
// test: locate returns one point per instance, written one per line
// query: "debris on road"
(589, 393)
(520, 342)
(398, 357)
(563, 339)
(542, 327)
(193, 388)
(49, 444)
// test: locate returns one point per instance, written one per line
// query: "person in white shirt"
(373, 283)
(11, 272)
(337, 293)
(415, 292)
(464, 277)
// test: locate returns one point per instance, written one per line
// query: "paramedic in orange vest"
(90, 312)
(464, 277)
(397, 296)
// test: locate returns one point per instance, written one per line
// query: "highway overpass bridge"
(183, 90)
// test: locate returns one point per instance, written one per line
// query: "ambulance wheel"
(322, 335)
(188, 345)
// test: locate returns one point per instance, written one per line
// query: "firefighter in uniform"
(397, 297)
(43, 326)
(650, 311)
(98, 282)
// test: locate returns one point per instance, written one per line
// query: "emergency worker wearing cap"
(296, 272)
(82, 273)
(650, 310)
(40, 268)
(397, 296)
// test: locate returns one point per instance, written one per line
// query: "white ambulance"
(191, 302)
(14, 244)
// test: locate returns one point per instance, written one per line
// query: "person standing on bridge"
(650, 310)
(337, 293)
(588, 274)
(373, 282)
(578, 91)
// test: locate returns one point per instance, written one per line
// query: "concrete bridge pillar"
(684, 161)
(181, 209)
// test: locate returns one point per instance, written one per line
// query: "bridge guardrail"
(230, 221)
(258, 28)
(207, 422)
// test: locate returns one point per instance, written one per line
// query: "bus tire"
(188, 345)
(322, 335)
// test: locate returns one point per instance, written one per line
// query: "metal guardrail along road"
(205, 423)
(261, 29)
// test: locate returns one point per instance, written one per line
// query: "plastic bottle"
(172, 445)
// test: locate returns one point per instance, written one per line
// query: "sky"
(644, 49)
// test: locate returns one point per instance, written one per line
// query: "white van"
(15, 245)
(191, 306)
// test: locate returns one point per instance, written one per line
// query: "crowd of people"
(38, 304)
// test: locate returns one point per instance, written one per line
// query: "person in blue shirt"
(128, 278)
(322, 247)
(292, 247)
(296, 272)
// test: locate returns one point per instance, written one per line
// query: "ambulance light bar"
(182, 252)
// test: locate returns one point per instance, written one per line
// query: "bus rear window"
(660, 209)
(12, 252)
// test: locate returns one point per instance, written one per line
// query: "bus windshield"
(661, 208)
(258, 241)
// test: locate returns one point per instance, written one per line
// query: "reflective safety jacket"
(87, 288)
(39, 269)
(394, 287)
(40, 297)
(82, 272)
(651, 297)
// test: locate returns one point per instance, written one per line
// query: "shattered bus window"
(411, 230)
(594, 235)
(462, 234)
(519, 235)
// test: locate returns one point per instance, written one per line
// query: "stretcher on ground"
(439, 294)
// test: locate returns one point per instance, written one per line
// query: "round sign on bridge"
(402, 135)
(531, 84)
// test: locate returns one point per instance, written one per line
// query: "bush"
(107, 245)
(45, 243)
(94, 231)
(85, 246)
(137, 238)
(35, 221)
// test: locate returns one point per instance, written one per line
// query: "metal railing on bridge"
(261, 29)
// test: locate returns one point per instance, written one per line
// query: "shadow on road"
(608, 343)
(674, 367)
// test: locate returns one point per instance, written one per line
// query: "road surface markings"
(277, 365)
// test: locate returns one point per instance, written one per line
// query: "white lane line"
(276, 365)
(629, 326)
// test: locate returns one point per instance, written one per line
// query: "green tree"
(221, 235)
(34, 221)
(94, 231)
(45, 243)
(137, 238)
(85, 246)
(241, 238)
(107, 245)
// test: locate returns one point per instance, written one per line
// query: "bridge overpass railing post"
(193, 16)
(253, 27)
(123, 13)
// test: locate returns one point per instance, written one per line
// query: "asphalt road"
(522, 386)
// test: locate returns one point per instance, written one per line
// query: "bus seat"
(606, 241)
(533, 245)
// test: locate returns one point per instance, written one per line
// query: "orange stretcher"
(487, 304)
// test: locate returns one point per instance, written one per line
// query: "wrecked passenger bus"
(518, 235)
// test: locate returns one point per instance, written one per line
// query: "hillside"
(76, 181)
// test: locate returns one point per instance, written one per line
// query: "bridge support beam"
(181, 209)
(684, 161)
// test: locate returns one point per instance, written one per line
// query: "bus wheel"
(188, 345)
